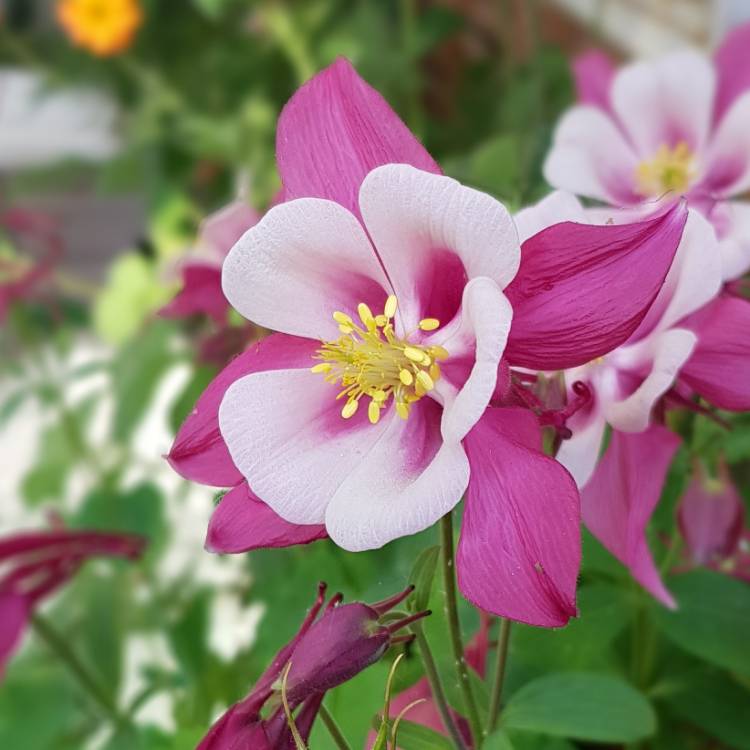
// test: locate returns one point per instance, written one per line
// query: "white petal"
(479, 334)
(285, 434)
(666, 353)
(665, 101)
(590, 157)
(409, 480)
(734, 244)
(580, 453)
(304, 260)
(555, 208)
(727, 163)
(419, 221)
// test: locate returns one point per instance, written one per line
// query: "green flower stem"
(333, 728)
(436, 687)
(499, 679)
(60, 647)
(454, 627)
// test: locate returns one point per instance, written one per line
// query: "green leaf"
(712, 620)
(581, 706)
(136, 373)
(421, 577)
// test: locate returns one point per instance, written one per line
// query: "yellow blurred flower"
(103, 27)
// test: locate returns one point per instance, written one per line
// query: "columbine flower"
(677, 124)
(201, 270)
(36, 564)
(104, 27)
(690, 341)
(326, 652)
(711, 516)
(396, 286)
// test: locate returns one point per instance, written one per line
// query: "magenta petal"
(13, 619)
(718, 368)
(199, 452)
(582, 289)
(593, 72)
(733, 69)
(200, 294)
(519, 551)
(242, 522)
(711, 516)
(336, 129)
(620, 497)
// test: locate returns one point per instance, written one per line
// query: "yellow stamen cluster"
(103, 27)
(371, 360)
(670, 170)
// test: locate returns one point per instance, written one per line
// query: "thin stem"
(436, 687)
(499, 679)
(333, 729)
(60, 647)
(454, 627)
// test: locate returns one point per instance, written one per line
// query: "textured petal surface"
(199, 452)
(13, 619)
(665, 101)
(409, 479)
(661, 356)
(593, 72)
(432, 234)
(732, 68)
(727, 169)
(620, 498)
(590, 156)
(336, 129)
(242, 522)
(301, 262)
(477, 338)
(519, 551)
(582, 290)
(285, 433)
(718, 369)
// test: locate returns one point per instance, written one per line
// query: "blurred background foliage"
(93, 384)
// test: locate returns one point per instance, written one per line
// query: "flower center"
(670, 170)
(371, 360)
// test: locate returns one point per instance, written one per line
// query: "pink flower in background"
(36, 564)
(201, 292)
(677, 124)
(327, 651)
(711, 516)
(397, 287)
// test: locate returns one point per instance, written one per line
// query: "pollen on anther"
(350, 409)
(342, 318)
(406, 377)
(373, 412)
(402, 409)
(365, 315)
(424, 380)
(322, 367)
(390, 306)
(415, 355)
(429, 324)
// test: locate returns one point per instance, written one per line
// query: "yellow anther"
(671, 169)
(365, 315)
(439, 352)
(350, 409)
(373, 412)
(429, 324)
(406, 377)
(373, 361)
(424, 380)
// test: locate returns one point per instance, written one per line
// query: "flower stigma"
(371, 360)
(670, 170)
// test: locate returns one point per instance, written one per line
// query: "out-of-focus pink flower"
(711, 517)
(429, 336)
(36, 564)
(593, 72)
(676, 124)
(201, 292)
(326, 652)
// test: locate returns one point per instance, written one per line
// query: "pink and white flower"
(409, 297)
(677, 124)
